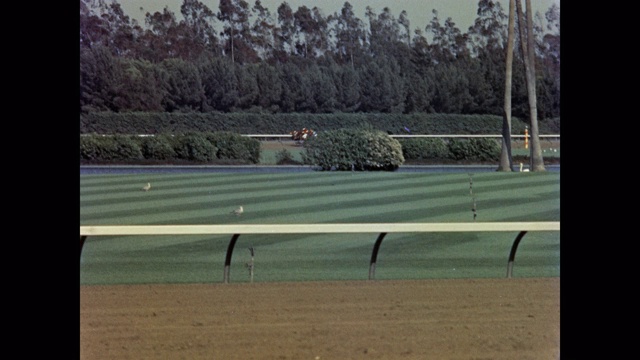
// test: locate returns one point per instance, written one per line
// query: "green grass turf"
(318, 197)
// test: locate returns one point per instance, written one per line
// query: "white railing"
(381, 228)
(280, 136)
(552, 136)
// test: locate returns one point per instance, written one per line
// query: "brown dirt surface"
(388, 319)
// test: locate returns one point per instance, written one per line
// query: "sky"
(462, 12)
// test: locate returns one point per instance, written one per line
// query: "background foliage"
(353, 149)
(268, 123)
(191, 147)
(247, 58)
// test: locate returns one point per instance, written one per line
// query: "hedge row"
(343, 149)
(194, 147)
(267, 123)
(367, 149)
(475, 149)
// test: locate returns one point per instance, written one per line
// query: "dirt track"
(426, 319)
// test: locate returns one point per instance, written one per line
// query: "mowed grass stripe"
(228, 197)
(264, 184)
(285, 201)
(317, 197)
(415, 207)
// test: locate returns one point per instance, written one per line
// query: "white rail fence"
(284, 136)
(288, 136)
(522, 228)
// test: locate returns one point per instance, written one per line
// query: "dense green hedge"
(160, 147)
(424, 148)
(481, 149)
(476, 149)
(195, 147)
(353, 149)
(111, 148)
(266, 123)
(234, 146)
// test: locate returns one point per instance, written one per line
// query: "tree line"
(244, 58)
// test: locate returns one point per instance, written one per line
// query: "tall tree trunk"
(536, 161)
(506, 160)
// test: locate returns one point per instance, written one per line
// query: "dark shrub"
(126, 148)
(424, 148)
(353, 149)
(157, 148)
(232, 146)
(109, 148)
(89, 148)
(481, 149)
(194, 147)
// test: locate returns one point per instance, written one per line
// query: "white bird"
(525, 170)
(146, 187)
(238, 211)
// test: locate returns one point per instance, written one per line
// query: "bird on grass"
(146, 187)
(238, 211)
(521, 170)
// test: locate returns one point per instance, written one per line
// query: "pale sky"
(462, 12)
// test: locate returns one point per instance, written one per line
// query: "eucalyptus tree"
(421, 55)
(489, 30)
(285, 32)
(487, 42)
(234, 14)
(386, 36)
(94, 30)
(447, 41)
(92, 27)
(549, 91)
(263, 30)
(304, 29)
(349, 34)
(551, 60)
(199, 32)
(420, 81)
(406, 24)
(160, 37)
(320, 35)
(106, 24)
(311, 32)
(384, 29)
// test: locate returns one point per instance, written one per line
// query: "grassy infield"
(319, 197)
